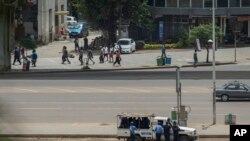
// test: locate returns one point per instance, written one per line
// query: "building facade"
(173, 15)
(42, 19)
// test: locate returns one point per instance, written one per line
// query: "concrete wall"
(46, 20)
(59, 7)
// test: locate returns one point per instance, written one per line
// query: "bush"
(140, 44)
(183, 38)
(158, 46)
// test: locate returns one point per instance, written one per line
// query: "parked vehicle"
(233, 90)
(127, 45)
(78, 30)
(146, 124)
(71, 18)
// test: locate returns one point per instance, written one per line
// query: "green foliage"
(28, 43)
(140, 44)
(104, 14)
(203, 32)
(158, 46)
(183, 38)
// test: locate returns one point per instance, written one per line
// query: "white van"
(146, 132)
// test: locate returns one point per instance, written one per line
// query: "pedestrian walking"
(76, 42)
(158, 131)
(65, 56)
(117, 58)
(81, 55)
(34, 58)
(167, 128)
(195, 58)
(22, 52)
(111, 54)
(17, 55)
(85, 40)
(132, 130)
(106, 53)
(90, 56)
(163, 51)
(101, 57)
(176, 130)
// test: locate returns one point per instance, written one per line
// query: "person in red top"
(22, 52)
(117, 58)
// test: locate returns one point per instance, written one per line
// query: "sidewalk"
(49, 58)
(92, 130)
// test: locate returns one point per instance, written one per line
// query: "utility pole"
(178, 91)
(214, 74)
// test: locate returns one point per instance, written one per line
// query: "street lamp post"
(214, 74)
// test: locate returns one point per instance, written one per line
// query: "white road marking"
(39, 108)
(99, 89)
(61, 89)
(132, 89)
(27, 90)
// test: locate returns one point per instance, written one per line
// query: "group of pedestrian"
(66, 55)
(19, 53)
(159, 130)
(107, 53)
(165, 130)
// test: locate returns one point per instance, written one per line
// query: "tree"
(203, 32)
(106, 14)
(28, 43)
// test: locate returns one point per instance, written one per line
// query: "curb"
(84, 136)
(120, 69)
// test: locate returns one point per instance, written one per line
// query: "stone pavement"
(49, 57)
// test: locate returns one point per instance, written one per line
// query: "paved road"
(91, 102)
(98, 139)
(128, 75)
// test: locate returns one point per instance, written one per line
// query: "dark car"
(233, 90)
(79, 30)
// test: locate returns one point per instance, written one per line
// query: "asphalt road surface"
(98, 139)
(127, 75)
(98, 101)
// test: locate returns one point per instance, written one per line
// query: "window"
(231, 87)
(151, 2)
(62, 17)
(159, 3)
(208, 3)
(222, 3)
(197, 4)
(184, 3)
(245, 3)
(242, 88)
(234, 3)
(171, 3)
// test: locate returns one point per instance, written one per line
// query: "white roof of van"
(136, 115)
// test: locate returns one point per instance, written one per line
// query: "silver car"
(233, 90)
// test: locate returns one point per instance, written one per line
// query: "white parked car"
(126, 45)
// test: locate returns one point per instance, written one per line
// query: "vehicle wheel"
(184, 138)
(130, 50)
(224, 97)
(138, 138)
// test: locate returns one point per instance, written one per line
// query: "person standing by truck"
(158, 131)
(176, 130)
(167, 128)
(132, 129)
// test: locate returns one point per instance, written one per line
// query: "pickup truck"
(145, 124)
